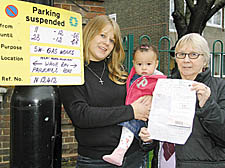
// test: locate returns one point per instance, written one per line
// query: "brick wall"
(5, 129)
(88, 9)
(142, 17)
(69, 144)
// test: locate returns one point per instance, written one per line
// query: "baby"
(141, 81)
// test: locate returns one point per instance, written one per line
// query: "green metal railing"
(168, 51)
(128, 44)
(214, 54)
(144, 37)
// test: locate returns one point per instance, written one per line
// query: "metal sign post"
(35, 126)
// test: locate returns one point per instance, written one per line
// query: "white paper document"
(172, 111)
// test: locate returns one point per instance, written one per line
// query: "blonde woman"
(97, 107)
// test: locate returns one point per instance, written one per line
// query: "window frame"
(213, 18)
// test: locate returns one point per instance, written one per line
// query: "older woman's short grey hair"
(197, 42)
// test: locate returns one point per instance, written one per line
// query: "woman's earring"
(204, 68)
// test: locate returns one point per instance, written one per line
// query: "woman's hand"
(203, 92)
(142, 107)
(145, 135)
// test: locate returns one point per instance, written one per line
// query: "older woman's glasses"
(181, 55)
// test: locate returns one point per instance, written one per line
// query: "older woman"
(205, 148)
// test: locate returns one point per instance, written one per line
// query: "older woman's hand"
(142, 107)
(145, 135)
(203, 92)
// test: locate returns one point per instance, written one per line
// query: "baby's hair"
(145, 48)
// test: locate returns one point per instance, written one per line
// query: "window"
(113, 16)
(172, 27)
(216, 20)
(171, 24)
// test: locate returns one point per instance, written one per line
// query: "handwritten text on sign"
(54, 36)
(34, 49)
(54, 65)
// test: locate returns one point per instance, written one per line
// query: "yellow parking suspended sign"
(39, 45)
